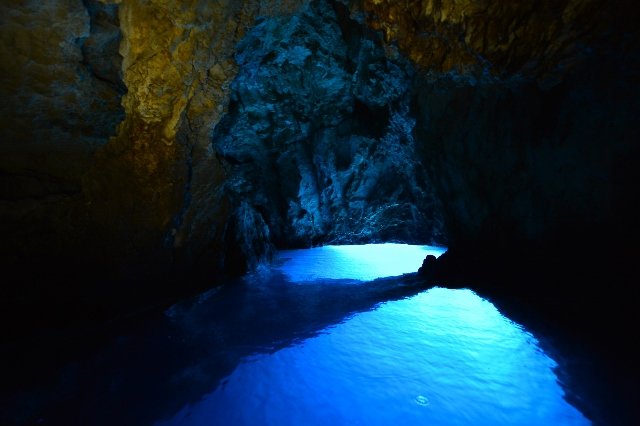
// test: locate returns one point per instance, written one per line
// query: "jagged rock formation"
(93, 175)
(118, 189)
(520, 106)
(114, 155)
(319, 140)
(157, 183)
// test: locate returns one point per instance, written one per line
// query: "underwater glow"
(437, 356)
(442, 357)
(356, 262)
(266, 350)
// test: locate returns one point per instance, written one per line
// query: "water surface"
(309, 341)
(442, 357)
(358, 262)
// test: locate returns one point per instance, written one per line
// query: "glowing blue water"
(357, 262)
(434, 357)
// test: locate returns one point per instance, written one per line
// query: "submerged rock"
(427, 270)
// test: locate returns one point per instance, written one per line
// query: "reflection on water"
(439, 357)
(332, 351)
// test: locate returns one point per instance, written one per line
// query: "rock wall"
(151, 136)
(518, 164)
(107, 112)
(61, 84)
(109, 182)
(539, 39)
(527, 111)
(318, 140)
(157, 183)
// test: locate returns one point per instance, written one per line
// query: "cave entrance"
(353, 262)
(317, 140)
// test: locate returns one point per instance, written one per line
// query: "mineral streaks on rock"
(158, 177)
(318, 137)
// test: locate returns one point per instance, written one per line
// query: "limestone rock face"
(160, 134)
(530, 141)
(108, 180)
(107, 111)
(61, 85)
(61, 75)
(156, 183)
(318, 139)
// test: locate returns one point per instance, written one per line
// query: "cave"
(163, 165)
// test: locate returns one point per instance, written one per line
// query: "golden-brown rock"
(503, 35)
(157, 179)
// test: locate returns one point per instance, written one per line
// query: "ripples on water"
(439, 357)
(312, 342)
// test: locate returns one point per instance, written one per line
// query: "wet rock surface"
(318, 141)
